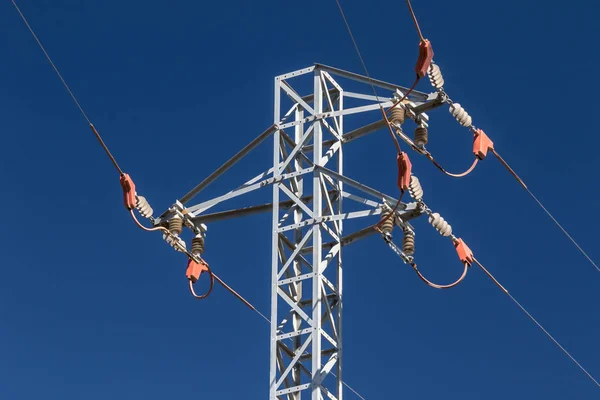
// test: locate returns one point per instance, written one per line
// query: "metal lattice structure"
(309, 188)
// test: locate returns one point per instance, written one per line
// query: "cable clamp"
(425, 58)
(482, 144)
(129, 196)
(404, 171)
(464, 252)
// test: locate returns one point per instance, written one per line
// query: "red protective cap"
(464, 252)
(194, 270)
(425, 58)
(482, 144)
(404, 170)
(128, 191)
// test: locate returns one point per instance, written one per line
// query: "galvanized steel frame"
(307, 291)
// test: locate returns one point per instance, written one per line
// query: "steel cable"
(362, 61)
(414, 17)
(514, 174)
(104, 146)
(539, 325)
(435, 285)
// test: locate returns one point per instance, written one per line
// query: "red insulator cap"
(128, 191)
(482, 144)
(464, 252)
(404, 171)
(194, 270)
(425, 58)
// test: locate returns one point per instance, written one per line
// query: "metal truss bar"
(285, 296)
(329, 114)
(330, 285)
(367, 97)
(328, 393)
(326, 352)
(293, 389)
(296, 200)
(335, 121)
(331, 218)
(296, 358)
(306, 303)
(330, 231)
(292, 246)
(317, 242)
(231, 162)
(280, 366)
(296, 279)
(355, 134)
(358, 185)
(294, 254)
(294, 334)
(292, 143)
(284, 322)
(329, 338)
(296, 97)
(296, 73)
(309, 98)
(361, 109)
(331, 152)
(328, 202)
(364, 79)
(257, 178)
(361, 200)
(285, 349)
(348, 239)
(297, 148)
(328, 365)
(330, 129)
(199, 208)
(273, 349)
(242, 212)
(332, 81)
(288, 168)
(330, 315)
(365, 130)
(285, 216)
(438, 101)
(330, 255)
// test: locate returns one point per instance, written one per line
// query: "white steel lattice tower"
(309, 184)
(300, 262)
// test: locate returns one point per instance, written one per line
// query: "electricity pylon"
(309, 188)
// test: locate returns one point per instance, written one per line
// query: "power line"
(562, 229)
(522, 183)
(104, 146)
(414, 17)
(362, 61)
(532, 318)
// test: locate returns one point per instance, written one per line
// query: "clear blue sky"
(92, 307)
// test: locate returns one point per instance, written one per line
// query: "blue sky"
(91, 306)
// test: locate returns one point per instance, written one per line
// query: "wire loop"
(436, 286)
(210, 288)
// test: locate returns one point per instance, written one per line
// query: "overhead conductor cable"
(425, 55)
(402, 158)
(481, 145)
(535, 321)
(132, 201)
